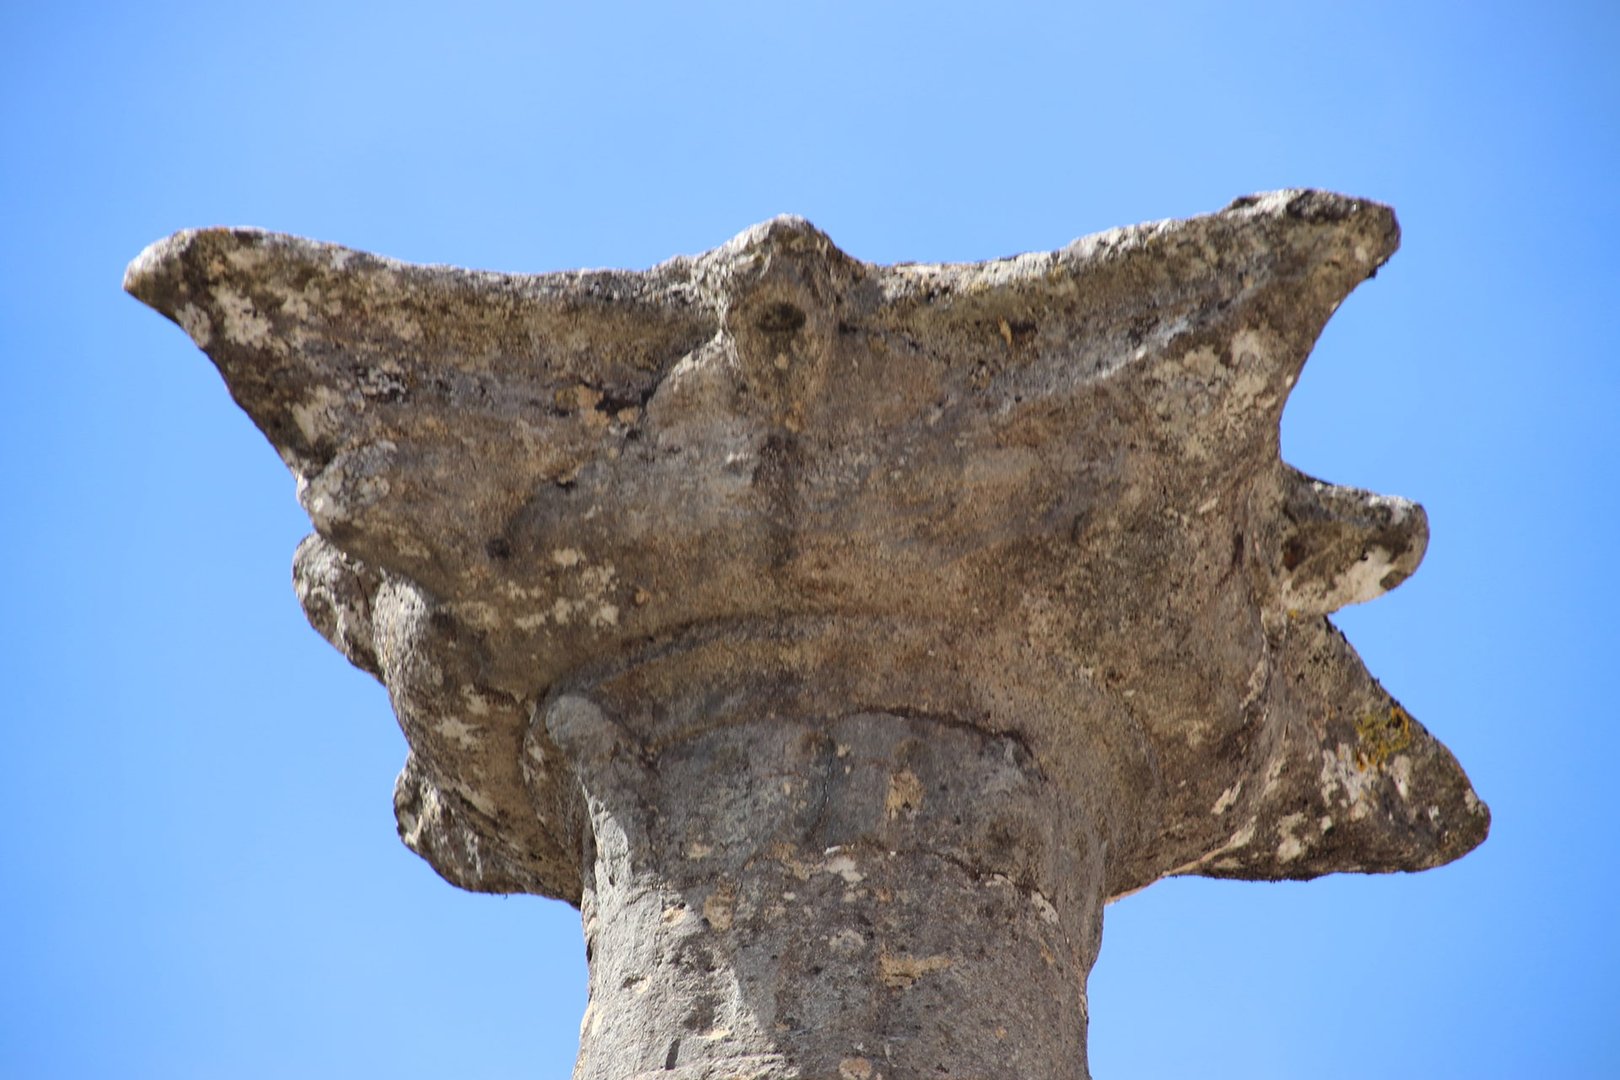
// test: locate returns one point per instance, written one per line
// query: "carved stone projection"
(840, 638)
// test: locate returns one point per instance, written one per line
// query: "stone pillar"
(805, 917)
(841, 637)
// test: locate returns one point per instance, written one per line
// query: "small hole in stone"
(1293, 553)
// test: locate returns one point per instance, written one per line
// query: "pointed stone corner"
(1358, 786)
(1343, 546)
(768, 593)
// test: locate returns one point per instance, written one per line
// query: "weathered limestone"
(841, 637)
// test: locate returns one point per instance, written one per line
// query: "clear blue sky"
(198, 870)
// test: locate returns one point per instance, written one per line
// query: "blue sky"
(199, 871)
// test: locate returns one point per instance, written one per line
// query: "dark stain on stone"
(780, 317)
(444, 624)
(776, 479)
(1294, 551)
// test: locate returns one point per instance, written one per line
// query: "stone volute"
(840, 638)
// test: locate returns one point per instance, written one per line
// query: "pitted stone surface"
(1038, 500)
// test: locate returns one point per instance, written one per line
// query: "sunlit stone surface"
(841, 637)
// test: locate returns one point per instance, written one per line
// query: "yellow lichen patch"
(720, 906)
(578, 398)
(788, 856)
(1202, 362)
(905, 793)
(899, 972)
(1382, 737)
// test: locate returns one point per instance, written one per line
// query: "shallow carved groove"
(842, 637)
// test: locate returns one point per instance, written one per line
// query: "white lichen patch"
(247, 258)
(242, 323)
(352, 482)
(1361, 581)
(477, 614)
(1273, 775)
(385, 380)
(301, 305)
(1400, 770)
(458, 731)
(1341, 780)
(314, 416)
(591, 604)
(518, 592)
(409, 548)
(844, 866)
(411, 824)
(1289, 846)
(592, 601)
(195, 322)
(1240, 839)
